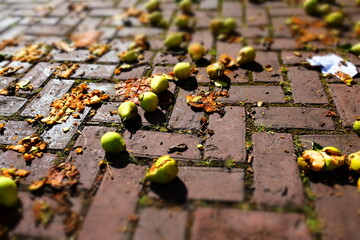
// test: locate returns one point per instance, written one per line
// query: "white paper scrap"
(333, 64)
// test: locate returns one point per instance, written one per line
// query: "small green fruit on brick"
(8, 192)
(155, 17)
(334, 19)
(159, 84)
(324, 9)
(355, 49)
(128, 56)
(246, 55)
(152, 5)
(196, 51)
(354, 161)
(356, 127)
(182, 21)
(112, 142)
(229, 25)
(149, 101)
(310, 6)
(216, 26)
(215, 70)
(174, 40)
(164, 170)
(127, 111)
(185, 5)
(182, 70)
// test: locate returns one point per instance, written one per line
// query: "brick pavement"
(243, 184)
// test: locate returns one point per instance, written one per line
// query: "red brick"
(232, 9)
(203, 36)
(168, 58)
(280, 27)
(256, 17)
(104, 12)
(289, 11)
(53, 90)
(212, 223)
(74, 56)
(294, 117)
(268, 94)
(38, 74)
(283, 44)
(47, 30)
(288, 57)
(276, 176)
(209, 5)
(337, 209)
(251, 32)
(265, 59)
(169, 224)
(14, 131)
(347, 102)
(183, 117)
(231, 49)
(88, 24)
(130, 32)
(9, 105)
(27, 225)
(87, 162)
(5, 81)
(155, 144)
(213, 184)
(306, 86)
(109, 57)
(227, 129)
(94, 71)
(136, 72)
(115, 201)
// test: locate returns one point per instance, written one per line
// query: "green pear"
(164, 170)
(355, 48)
(356, 127)
(185, 5)
(182, 70)
(216, 26)
(174, 40)
(310, 6)
(112, 142)
(334, 19)
(149, 101)
(246, 55)
(155, 17)
(152, 5)
(127, 111)
(128, 56)
(8, 192)
(229, 25)
(182, 21)
(354, 161)
(159, 84)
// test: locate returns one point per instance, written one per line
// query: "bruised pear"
(354, 161)
(164, 170)
(311, 160)
(196, 51)
(127, 111)
(333, 158)
(215, 70)
(246, 55)
(128, 56)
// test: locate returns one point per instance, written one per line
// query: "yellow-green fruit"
(310, 6)
(174, 40)
(8, 192)
(229, 25)
(185, 5)
(331, 151)
(112, 142)
(182, 70)
(127, 110)
(215, 70)
(152, 5)
(356, 127)
(196, 51)
(149, 101)
(333, 161)
(355, 49)
(128, 56)
(312, 160)
(334, 19)
(354, 161)
(324, 9)
(163, 23)
(164, 170)
(246, 55)
(216, 26)
(357, 2)
(159, 84)
(155, 17)
(182, 21)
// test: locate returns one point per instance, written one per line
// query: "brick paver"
(238, 175)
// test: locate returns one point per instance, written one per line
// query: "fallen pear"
(127, 111)
(182, 70)
(149, 101)
(8, 192)
(246, 55)
(112, 142)
(196, 51)
(164, 170)
(159, 84)
(354, 161)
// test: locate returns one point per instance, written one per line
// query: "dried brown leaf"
(85, 39)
